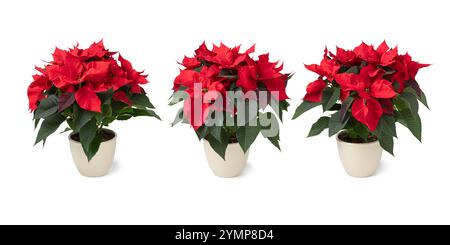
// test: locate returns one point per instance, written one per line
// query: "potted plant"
(88, 89)
(364, 92)
(226, 95)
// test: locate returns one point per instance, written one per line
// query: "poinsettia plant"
(226, 94)
(88, 89)
(367, 90)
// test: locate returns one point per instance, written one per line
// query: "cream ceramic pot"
(232, 166)
(100, 163)
(359, 159)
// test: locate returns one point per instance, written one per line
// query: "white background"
(160, 175)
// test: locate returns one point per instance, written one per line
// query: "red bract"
(372, 77)
(86, 72)
(222, 69)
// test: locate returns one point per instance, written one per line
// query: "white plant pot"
(100, 163)
(359, 159)
(232, 166)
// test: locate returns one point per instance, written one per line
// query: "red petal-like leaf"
(382, 89)
(87, 99)
(314, 91)
(121, 96)
(367, 111)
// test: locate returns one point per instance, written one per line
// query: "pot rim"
(350, 143)
(105, 129)
(237, 143)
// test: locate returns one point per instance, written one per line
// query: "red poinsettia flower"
(327, 68)
(345, 57)
(222, 56)
(265, 72)
(202, 90)
(369, 86)
(86, 72)
(314, 90)
(372, 76)
(224, 68)
(36, 89)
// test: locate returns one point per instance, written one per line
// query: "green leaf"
(65, 130)
(335, 125)
(179, 117)
(273, 127)
(117, 107)
(81, 117)
(224, 137)
(107, 120)
(106, 96)
(219, 147)
(141, 101)
(126, 110)
(87, 134)
(248, 111)
(335, 107)
(275, 141)
(228, 73)
(284, 105)
(333, 99)
(36, 122)
(360, 130)
(386, 125)
(319, 126)
(353, 69)
(343, 113)
(401, 104)
(327, 95)
(93, 147)
(148, 113)
(423, 99)
(124, 117)
(47, 107)
(246, 136)
(387, 142)
(178, 96)
(70, 123)
(411, 99)
(272, 130)
(202, 132)
(304, 107)
(216, 132)
(49, 126)
(412, 122)
(65, 101)
(106, 111)
(279, 106)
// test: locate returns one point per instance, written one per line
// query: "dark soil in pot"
(106, 135)
(344, 136)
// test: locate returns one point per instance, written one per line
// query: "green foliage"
(46, 107)
(304, 107)
(335, 125)
(141, 101)
(406, 112)
(329, 98)
(58, 107)
(49, 126)
(87, 134)
(319, 126)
